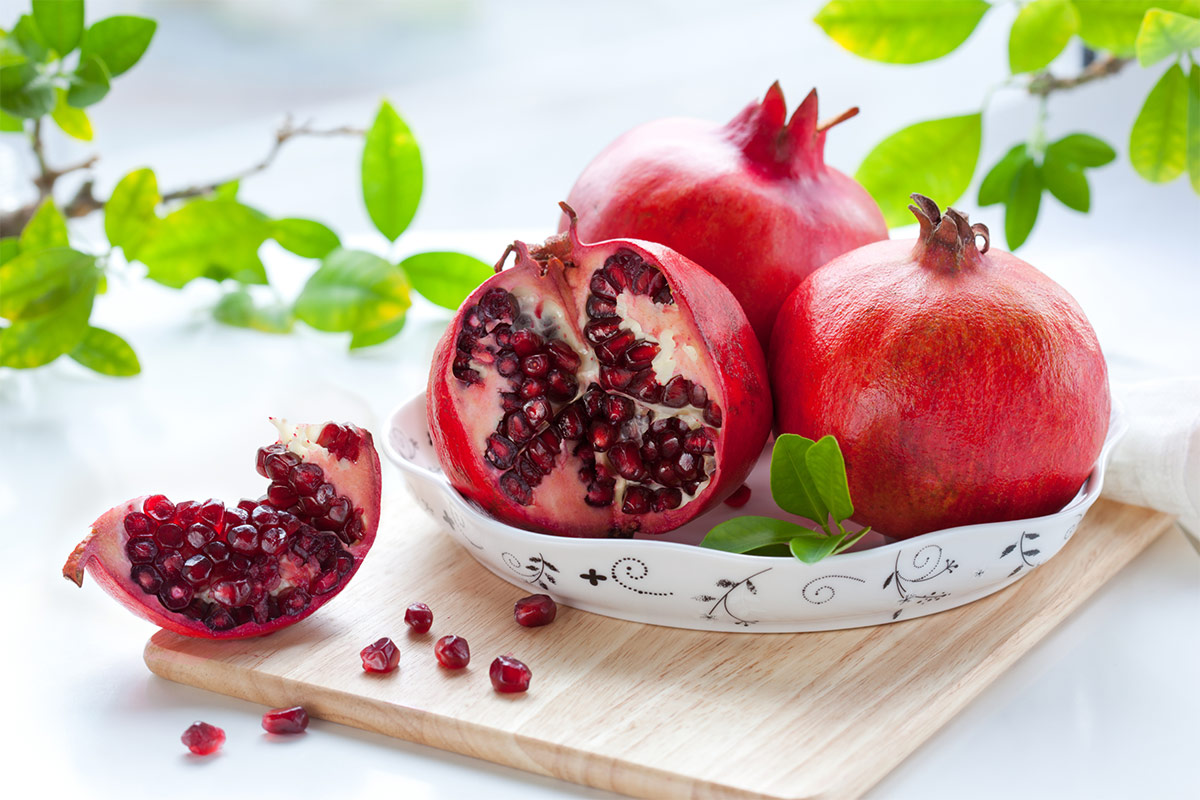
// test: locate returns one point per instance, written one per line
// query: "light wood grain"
(642, 710)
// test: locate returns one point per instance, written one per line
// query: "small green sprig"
(807, 479)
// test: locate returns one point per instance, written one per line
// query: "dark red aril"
(380, 656)
(535, 610)
(419, 617)
(739, 498)
(203, 739)
(285, 720)
(452, 652)
(509, 675)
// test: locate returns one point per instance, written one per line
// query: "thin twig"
(1044, 83)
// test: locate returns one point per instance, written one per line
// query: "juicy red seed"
(615, 377)
(419, 617)
(146, 577)
(260, 458)
(657, 284)
(169, 563)
(509, 675)
(600, 286)
(639, 355)
(141, 550)
(247, 505)
(159, 508)
(618, 276)
(664, 473)
(677, 392)
(617, 409)
(503, 335)
(699, 396)
(535, 610)
(203, 739)
(281, 495)
(501, 451)
(665, 499)
(593, 402)
(466, 342)
(452, 652)
(531, 388)
(517, 427)
(511, 401)
(646, 387)
(231, 593)
(712, 415)
(637, 500)
(499, 304)
(551, 441)
(279, 465)
(540, 454)
(526, 343)
(670, 446)
(306, 478)
(698, 442)
(235, 517)
(601, 307)
(473, 319)
(217, 551)
(599, 495)
(739, 498)
(244, 538)
(324, 582)
(294, 601)
(341, 440)
(649, 451)
(570, 423)
(564, 356)
(211, 513)
(343, 564)
(198, 534)
(602, 436)
(285, 720)
(507, 364)
(185, 513)
(560, 386)
(529, 470)
(625, 459)
(239, 562)
(169, 536)
(264, 516)
(271, 540)
(599, 330)
(538, 410)
(197, 569)
(175, 595)
(138, 524)
(685, 465)
(219, 619)
(516, 488)
(464, 373)
(536, 365)
(382, 656)
(612, 349)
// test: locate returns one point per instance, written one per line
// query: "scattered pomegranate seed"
(452, 652)
(285, 720)
(535, 610)
(509, 675)
(419, 617)
(382, 656)
(739, 498)
(203, 739)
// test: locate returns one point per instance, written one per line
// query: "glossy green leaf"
(10, 124)
(31, 100)
(1113, 25)
(129, 215)
(900, 33)
(353, 291)
(107, 353)
(391, 173)
(1067, 182)
(1165, 34)
(304, 237)
(119, 41)
(446, 278)
(1024, 201)
(812, 547)
(216, 239)
(935, 158)
(17, 69)
(26, 344)
(30, 40)
(10, 248)
(792, 484)
(744, 534)
(46, 228)
(1158, 142)
(1039, 33)
(239, 309)
(60, 23)
(89, 83)
(72, 121)
(378, 334)
(1193, 129)
(1082, 150)
(227, 190)
(36, 283)
(996, 184)
(828, 470)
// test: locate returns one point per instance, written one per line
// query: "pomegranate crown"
(554, 252)
(946, 240)
(760, 132)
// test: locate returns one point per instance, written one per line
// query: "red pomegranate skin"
(963, 387)
(751, 201)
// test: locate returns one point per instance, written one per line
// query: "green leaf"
(60, 23)
(17, 68)
(828, 470)
(47, 228)
(376, 335)
(900, 33)
(792, 484)
(353, 291)
(72, 121)
(995, 185)
(743, 534)
(37, 283)
(1113, 25)
(32, 100)
(445, 278)
(1039, 33)
(812, 546)
(1193, 130)
(26, 344)
(107, 353)
(1082, 150)
(391, 173)
(304, 237)
(129, 217)
(30, 40)
(227, 190)
(1164, 34)
(10, 124)
(10, 248)
(1067, 182)
(238, 309)
(216, 239)
(1024, 200)
(89, 84)
(1158, 142)
(935, 158)
(119, 41)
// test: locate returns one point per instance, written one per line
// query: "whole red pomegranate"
(598, 390)
(202, 569)
(963, 385)
(751, 201)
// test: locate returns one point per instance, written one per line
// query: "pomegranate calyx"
(946, 241)
(554, 253)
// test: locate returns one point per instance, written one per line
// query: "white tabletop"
(506, 122)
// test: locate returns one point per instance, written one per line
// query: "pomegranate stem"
(825, 125)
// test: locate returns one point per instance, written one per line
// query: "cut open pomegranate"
(202, 569)
(598, 389)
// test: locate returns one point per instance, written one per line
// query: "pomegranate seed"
(197, 569)
(175, 595)
(501, 451)
(285, 720)
(169, 536)
(564, 356)
(535, 610)
(146, 577)
(138, 524)
(452, 652)
(382, 656)
(419, 617)
(159, 508)
(600, 286)
(217, 551)
(508, 364)
(141, 550)
(638, 500)
(243, 538)
(509, 675)
(712, 414)
(211, 513)
(526, 343)
(739, 498)
(499, 304)
(601, 307)
(203, 739)
(516, 488)
(340, 440)
(532, 388)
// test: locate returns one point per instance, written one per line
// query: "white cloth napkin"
(1157, 463)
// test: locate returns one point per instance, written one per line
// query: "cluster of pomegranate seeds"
(258, 561)
(535, 610)
(203, 739)
(452, 652)
(508, 675)
(739, 498)
(644, 459)
(382, 656)
(285, 720)
(419, 617)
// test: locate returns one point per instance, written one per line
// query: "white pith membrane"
(622, 464)
(263, 559)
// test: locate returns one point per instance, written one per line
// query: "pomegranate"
(202, 569)
(751, 201)
(203, 739)
(963, 385)
(598, 389)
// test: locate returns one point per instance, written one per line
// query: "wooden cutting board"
(649, 711)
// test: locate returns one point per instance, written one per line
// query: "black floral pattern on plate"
(721, 602)
(929, 564)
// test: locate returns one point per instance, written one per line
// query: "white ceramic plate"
(666, 580)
